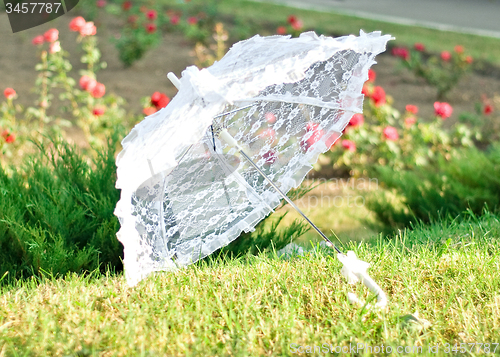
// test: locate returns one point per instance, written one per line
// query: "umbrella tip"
(175, 81)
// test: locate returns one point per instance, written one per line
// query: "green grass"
(448, 272)
(270, 15)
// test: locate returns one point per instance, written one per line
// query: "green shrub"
(56, 213)
(469, 180)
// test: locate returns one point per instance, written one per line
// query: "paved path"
(480, 17)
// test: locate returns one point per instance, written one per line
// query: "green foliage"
(469, 180)
(56, 213)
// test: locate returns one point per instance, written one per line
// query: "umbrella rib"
(285, 197)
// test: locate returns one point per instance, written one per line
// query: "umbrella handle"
(374, 288)
(175, 81)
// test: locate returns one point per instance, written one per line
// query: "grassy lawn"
(448, 272)
(270, 15)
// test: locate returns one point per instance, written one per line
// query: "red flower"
(98, 91)
(401, 52)
(174, 20)
(371, 75)
(77, 23)
(443, 110)
(88, 29)
(159, 100)
(151, 14)
(98, 111)
(10, 138)
(410, 108)
(51, 35)
(488, 109)
(150, 28)
(149, 110)
(281, 30)
(270, 157)
(459, 49)
(192, 20)
(419, 47)
(9, 93)
(469, 59)
(357, 120)
(410, 121)
(86, 82)
(349, 145)
(38, 40)
(292, 19)
(445, 56)
(127, 5)
(100, 3)
(391, 133)
(378, 96)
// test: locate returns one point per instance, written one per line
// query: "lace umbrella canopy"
(185, 192)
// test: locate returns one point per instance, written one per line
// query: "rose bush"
(442, 72)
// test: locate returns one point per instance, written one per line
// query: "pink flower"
(314, 138)
(86, 82)
(410, 108)
(38, 40)
(371, 75)
(469, 59)
(419, 47)
(150, 28)
(459, 49)
(401, 52)
(349, 145)
(77, 23)
(410, 121)
(9, 93)
(445, 56)
(378, 96)
(192, 20)
(98, 91)
(149, 110)
(297, 25)
(127, 5)
(88, 29)
(174, 19)
(281, 30)
(292, 19)
(443, 110)
(51, 35)
(270, 117)
(55, 47)
(100, 3)
(488, 109)
(98, 111)
(268, 133)
(391, 133)
(151, 14)
(357, 120)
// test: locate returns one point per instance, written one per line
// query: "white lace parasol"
(185, 193)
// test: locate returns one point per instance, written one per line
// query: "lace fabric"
(185, 193)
